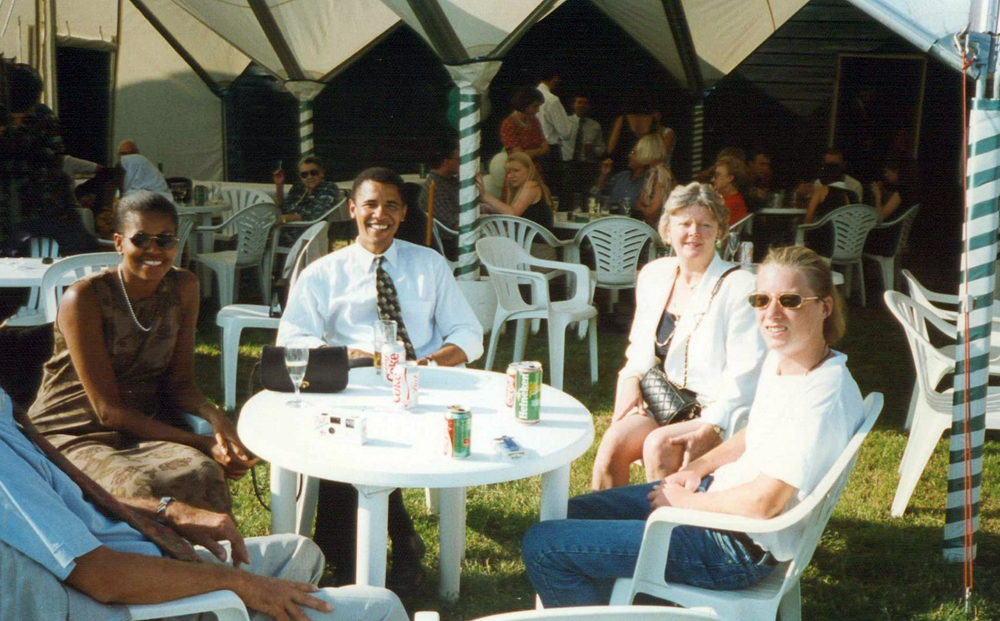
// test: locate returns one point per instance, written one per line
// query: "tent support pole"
(176, 45)
(469, 100)
(276, 39)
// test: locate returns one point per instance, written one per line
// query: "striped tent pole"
(469, 99)
(978, 267)
(305, 91)
(697, 136)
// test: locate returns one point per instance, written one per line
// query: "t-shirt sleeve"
(35, 520)
(800, 451)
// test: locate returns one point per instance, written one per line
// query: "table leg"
(452, 538)
(283, 488)
(373, 534)
(555, 494)
(205, 242)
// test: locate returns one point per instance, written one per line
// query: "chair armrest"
(539, 283)
(197, 424)
(582, 274)
(206, 602)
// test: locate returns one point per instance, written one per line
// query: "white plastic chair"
(55, 280)
(438, 235)
(932, 302)
(590, 613)
(894, 234)
(933, 411)
(234, 318)
(850, 225)
(225, 605)
(185, 225)
(238, 199)
(522, 231)
(509, 266)
(253, 227)
(617, 243)
(31, 314)
(776, 595)
(732, 243)
(337, 213)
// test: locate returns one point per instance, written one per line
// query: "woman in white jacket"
(678, 324)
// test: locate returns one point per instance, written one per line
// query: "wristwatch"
(718, 430)
(161, 509)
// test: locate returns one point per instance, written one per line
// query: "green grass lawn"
(868, 565)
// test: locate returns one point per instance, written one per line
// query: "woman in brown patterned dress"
(123, 366)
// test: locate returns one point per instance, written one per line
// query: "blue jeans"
(574, 562)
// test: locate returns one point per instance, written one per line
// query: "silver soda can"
(405, 384)
(392, 354)
(510, 386)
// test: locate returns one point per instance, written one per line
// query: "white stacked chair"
(509, 266)
(850, 226)
(311, 245)
(932, 412)
(776, 595)
(522, 231)
(253, 231)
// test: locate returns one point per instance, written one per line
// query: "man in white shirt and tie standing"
(584, 147)
(337, 299)
(556, 126)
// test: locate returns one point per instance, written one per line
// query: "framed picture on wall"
(877, 106)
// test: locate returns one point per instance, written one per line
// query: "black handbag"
(326, 372)
(665, 401)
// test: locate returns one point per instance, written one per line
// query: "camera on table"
(347, 428)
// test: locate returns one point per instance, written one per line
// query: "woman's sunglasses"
(165, 241)
(785, 300)
(312, 172)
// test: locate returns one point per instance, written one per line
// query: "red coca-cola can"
(510, 386)
(405, 384)
(392, 354)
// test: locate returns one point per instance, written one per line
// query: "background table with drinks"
(406, 449)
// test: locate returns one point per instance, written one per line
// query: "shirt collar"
(391, 254)
(544, 88)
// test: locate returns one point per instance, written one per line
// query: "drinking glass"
(296, 360)
(384, 331)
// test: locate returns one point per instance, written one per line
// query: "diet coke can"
(392, 354)
(405, 384)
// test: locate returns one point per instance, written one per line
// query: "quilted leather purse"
(666, 401)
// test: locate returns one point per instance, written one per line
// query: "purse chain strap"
(687, 343)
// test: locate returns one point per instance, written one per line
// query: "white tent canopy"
(927, 24)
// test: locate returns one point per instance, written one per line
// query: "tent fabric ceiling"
(927, 24)
(724, 32)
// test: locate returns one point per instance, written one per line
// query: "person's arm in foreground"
(120, 578)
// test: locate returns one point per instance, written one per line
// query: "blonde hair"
(736, 167)
(651, 149)
(818, 275)
(695, 194)
(524, 160)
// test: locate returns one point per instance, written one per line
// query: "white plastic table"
(25, 272)
(405, 449)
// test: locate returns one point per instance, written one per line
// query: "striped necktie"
(388, 305)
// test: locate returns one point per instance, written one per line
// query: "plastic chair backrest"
(311, 245)
(915, 318)
(54, 279)
(438, 233)
(817, 507)
(733, 241)
(617, 242)
(850, 225)
(521, 231)
(241, 198)
(185, 224)
(252, 227)
(897, 231)
(501, 252)
(43, 247)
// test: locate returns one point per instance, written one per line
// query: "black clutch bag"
(667, 402)
(326, 372)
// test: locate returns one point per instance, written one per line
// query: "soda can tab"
(458, 432)
(528, 393)
(392, 354)
(405, 384)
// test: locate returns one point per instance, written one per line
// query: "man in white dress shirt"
(334, 303)
(585, 142)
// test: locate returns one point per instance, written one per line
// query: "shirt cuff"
(468, 343)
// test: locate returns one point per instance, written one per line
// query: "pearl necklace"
(121, 279)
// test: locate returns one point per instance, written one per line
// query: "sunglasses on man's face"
(165, 241)
(785, 300)
(311, 172)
